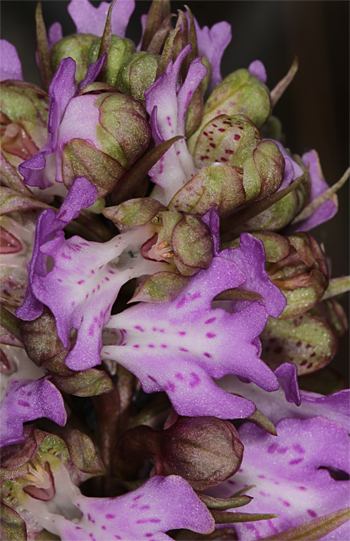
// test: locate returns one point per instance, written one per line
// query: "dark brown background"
(314, 110)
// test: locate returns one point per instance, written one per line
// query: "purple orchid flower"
(161, 504)
(11, 67)
(44, 169)
(180, 345)
(292, 474)
(82, 194)
(167, 104)
(212, 43)
(26, 394)
(86, 277)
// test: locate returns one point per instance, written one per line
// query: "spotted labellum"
(168, 310)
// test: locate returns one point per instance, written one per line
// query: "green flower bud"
(138, 74)
(239, 93)
(226, 139)
(297, 265)
(120, 52)
(24, 113)
(77, 47)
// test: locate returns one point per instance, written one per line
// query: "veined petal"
(11, 67)
(212, 43)
(161, 504)
(290, 474)
(167, 104)
(85, 282)
(180, 345)
(82, 194)
(91, 20)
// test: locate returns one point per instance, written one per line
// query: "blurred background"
(314, 110)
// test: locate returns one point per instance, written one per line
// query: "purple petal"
(212, 44)
(250, 256)
(92, 72)
(167, 106)
(288, 401)
(62, 90)
(26, 401)
(54, 34)
(83, 285)
(329, 208)
(91, 20)
(11, 67)
(161, 504)
(289, 475)
(81, 194)
(257, 69)
(180, 345)
(292, 169)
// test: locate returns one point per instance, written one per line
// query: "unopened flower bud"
(203, 450)
(239, 93)
(297, 265)
(120, 52)
(24, 113)
(226, 139)
(77, 47)
(116, 135)
(137, 75)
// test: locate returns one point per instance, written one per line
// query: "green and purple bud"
(137, 75)
(120, 52)
(24, 114)
(239, 93)
(203, 450)
(76, 46)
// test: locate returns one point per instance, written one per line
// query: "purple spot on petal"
(145, 507)
(179, 376)
(148, 534)
(136, 346)
(183, 349)
(139, 328)
(65, 256)
(163, 346)
(298, 448)
(109, 516)
(312, 513)
(59, 280)
(261, 476)
(154, 329)
(302, 488)
(211, 320)
(210, 335)
(73, 303)
(207, 355)
(152, 379)
(196, 379)
(296, 461)
(151, 345)
(170, 386)
(283, 450)
(140, 495)
(272, 448)
(81, 281)
(182, 333)
(23, 403)
(91, 330)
